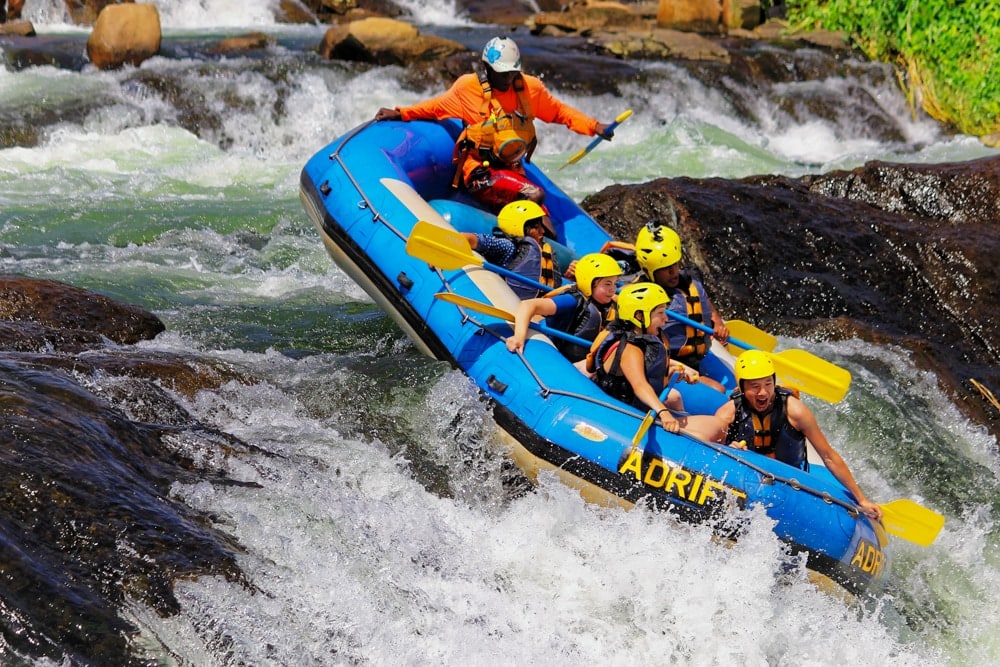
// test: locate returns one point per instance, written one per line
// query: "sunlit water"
(390, 530)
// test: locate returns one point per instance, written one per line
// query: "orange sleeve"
(551, 110)
(463, 101)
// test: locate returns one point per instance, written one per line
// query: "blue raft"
(367, 190)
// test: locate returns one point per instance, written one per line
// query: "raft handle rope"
(365, 202)
(544, 390)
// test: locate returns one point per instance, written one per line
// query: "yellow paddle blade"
(751, 335)
(808, 373)
(440, 247)
(477, 306)
(912, 522)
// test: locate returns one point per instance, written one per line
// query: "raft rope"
(365, 203)
(767, 476)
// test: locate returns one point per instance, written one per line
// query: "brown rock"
(585, 19)
(661, 43)
(124, 34)
(17, 28)
(385, 42)
(693, 15)
(745, 14)
(249, 42)
(76, 311)
(294, 11)
(14, 8)
(85, 12)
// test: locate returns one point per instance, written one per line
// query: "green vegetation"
(947, 52)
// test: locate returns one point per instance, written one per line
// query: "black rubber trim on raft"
(388, 289)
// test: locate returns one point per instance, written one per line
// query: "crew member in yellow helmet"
(519, 244)
(631, 363)
(580, 309)
(658, 253)
(764, 417)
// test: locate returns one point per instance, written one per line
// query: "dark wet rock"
(891, 253)
(92, 438)
(60, 306)
(88, 521)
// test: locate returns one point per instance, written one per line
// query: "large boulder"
(694, 15)
(385, 42)
(53, 312)
(124, 34)
(891, 253)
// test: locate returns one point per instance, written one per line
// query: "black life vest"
(532, 260)
(584, 321)
(613, 342)
(770, 434)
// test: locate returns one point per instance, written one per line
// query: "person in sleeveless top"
(764, 417)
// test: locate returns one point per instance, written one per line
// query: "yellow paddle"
(758, 338)
(593, 144)
(912, 522)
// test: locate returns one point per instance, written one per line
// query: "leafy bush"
(947, 52)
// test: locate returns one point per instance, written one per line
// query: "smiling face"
(603, 290)
(759, 393)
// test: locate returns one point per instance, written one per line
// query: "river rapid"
(383, 526)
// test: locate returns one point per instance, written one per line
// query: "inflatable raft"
(369, 189)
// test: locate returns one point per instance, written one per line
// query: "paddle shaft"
(596, 142)
(508, 316)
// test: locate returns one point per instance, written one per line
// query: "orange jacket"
(464, 100)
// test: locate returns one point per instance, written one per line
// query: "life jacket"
(770, 434)
(611, 343)
(584, 321)
(531, 260)
(501, 138)
(691, 349)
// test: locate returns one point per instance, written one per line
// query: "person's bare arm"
(802, 418)
(634, 369)
(528, 309)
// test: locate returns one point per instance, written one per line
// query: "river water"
(389, 530)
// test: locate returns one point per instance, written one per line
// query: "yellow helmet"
(640, 299)
(515, 215)
(592, 267)
(753, 365)
(656, 247)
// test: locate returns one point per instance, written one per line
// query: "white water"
(351, 559)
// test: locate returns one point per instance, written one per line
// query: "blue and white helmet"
(502, 55)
